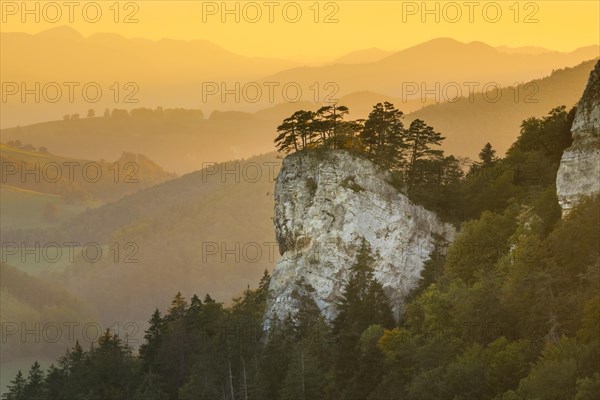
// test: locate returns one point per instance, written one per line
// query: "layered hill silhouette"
(198, 73)
(462, 63)
(207, 231)
(167, 72)
(375, 54)
(185, 141)
(372, 54)
(181, 142)
(468, 123)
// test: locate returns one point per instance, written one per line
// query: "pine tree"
(370, 367)
(263, 287)
(382, 135)
(110, 368)
(72, 366)
(295, 132)
(195, 305)
(327, 122)
(74, 359)
(275, 358)
(348, 135)
(193, 314)
(419, 138)
(208, 299)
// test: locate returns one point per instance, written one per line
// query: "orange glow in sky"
(320, 30)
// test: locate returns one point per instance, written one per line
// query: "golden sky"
(324, 29)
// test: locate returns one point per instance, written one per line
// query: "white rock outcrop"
(324, 205)
(579, 171)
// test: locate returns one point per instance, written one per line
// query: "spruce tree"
(487, 155)
(153, 339)
(34, 390)
(363, 303)
(16, 388)
(54, 383)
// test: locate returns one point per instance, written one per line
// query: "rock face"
(324, 206)
(579, 171)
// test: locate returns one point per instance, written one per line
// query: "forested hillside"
(170, 237)
(508, 312)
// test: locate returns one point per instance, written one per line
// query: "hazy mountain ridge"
(183, 144)
(470, 122)
(420, 64)
(179, 70)
(181, 230)
(197, 73)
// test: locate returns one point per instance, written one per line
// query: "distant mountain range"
(374, 54)
(184, 143)
(363, 56)
(198, 73)
(434, 64)
(166, 72)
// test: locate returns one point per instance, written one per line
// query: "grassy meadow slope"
(178, 143)
(41, 189)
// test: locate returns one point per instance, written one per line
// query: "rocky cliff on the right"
(579, 171)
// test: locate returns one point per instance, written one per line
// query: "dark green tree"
(382, 135)
(305, 377)
(487, 159)
(420, 138)
(34, 389)
(177, 309)
(296, 132)
(487, 155)
(363, 303)
(16, 388)
(110, 369)
(327, 123)
(54, 383)
(550, 134)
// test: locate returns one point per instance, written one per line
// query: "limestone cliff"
(579, 171)
(324, 205)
